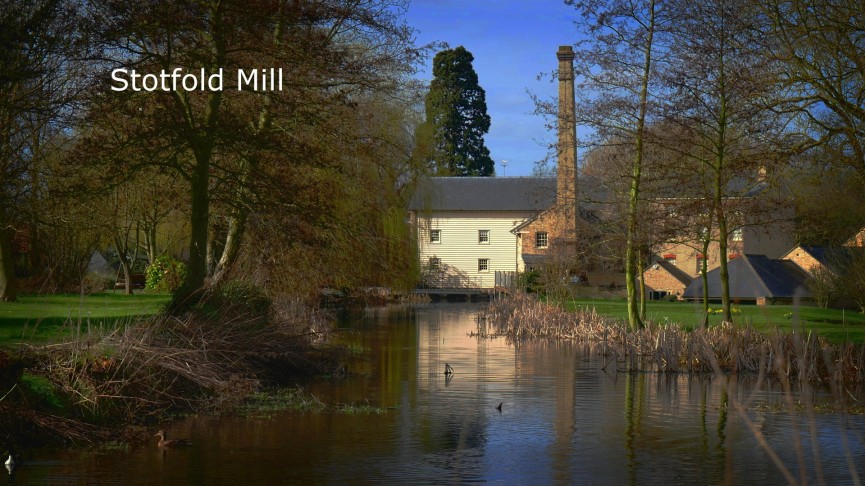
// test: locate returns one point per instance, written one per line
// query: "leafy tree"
(456, 118)
(241, 153)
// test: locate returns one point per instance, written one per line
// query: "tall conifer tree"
(456, 118)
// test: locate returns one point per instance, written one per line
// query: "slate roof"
(754, 276)
(530, 259)
(485, 194)
(829, 256)
(675, 271)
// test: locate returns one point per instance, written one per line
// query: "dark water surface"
(564, 420)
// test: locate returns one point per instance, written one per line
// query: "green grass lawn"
(834, 325)
(42, 317)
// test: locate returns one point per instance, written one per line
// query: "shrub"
(166, 274)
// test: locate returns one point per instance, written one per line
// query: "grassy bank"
(834, 325)
(40, 318)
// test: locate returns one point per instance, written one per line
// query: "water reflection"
(564, 420)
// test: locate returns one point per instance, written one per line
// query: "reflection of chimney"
(566, 151)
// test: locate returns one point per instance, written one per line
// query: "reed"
(801, 356)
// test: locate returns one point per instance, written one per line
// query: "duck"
(165, 442)
(449, 370)
(499, 406)
(10, 463)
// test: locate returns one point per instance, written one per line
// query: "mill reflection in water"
(563, 420)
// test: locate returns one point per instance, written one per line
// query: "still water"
(563, 420)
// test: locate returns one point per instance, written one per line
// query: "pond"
(566, 417)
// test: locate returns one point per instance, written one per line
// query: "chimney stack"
(566, 147)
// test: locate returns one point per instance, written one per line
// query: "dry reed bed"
(143, 371)
(666, 348)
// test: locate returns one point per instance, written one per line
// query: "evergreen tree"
(456, 118)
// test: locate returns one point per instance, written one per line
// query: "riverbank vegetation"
(835, 325)
(98, 383)
(798, 354)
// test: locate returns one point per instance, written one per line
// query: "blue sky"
(513, 41)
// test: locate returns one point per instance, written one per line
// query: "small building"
(811, 258)
(662, 278)
(755, 279)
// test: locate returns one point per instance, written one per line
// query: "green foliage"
(40, 392)
(531, 282)
(166, 274)
(456, 118)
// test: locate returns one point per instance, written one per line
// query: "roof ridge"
(746, 259)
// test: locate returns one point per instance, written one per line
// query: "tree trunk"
(8, 281)
(722, 249)
(641, 267)
(199, 217)
(704, 266)
(233, 239)
(123, 255)
(127, 276)
(631, 253)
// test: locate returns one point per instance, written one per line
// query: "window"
(670, 258)
(483, 264)
(700, 258)
(737, 234)
(435, 236)
(484, 237)
(541, 239)
(435, 263)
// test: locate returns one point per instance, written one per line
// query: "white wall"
(460, 250)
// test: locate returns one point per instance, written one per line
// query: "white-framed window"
(737, 234)
(670, 258)
(483, 264)
(484, 237)
(435, 236)
(435, 263)
(541, 239)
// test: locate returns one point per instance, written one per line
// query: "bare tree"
(617, 66)
(818, 44)
(723, 86)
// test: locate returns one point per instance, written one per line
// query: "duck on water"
(164, 441)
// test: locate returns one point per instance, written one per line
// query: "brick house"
(664, 278)
(810, 258)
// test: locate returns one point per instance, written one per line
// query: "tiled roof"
(485, 194)
(675, 271)
(755, 276)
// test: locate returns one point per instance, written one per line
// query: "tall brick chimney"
(566, 146)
